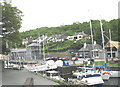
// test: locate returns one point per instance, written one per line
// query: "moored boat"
(89, 78)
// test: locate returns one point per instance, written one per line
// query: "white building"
(79, 36)
(32, 52)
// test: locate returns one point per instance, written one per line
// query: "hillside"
(70, 30)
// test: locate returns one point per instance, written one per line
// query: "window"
(75, 37)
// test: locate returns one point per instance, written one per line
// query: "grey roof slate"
(89, 47)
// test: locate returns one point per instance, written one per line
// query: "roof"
(113, 43)
(18, 50)
(52, 71)
(90, 48)
(81, 33)
(33, 44)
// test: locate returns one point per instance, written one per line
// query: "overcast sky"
(53, 13)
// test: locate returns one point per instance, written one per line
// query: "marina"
(67, 46)
(39, 80)
(68, 74)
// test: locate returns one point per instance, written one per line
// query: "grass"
(57, 81)
(60, 82)
(114, 63)
(99, 63)
(109, 63)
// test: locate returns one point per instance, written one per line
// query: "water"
(112, 81)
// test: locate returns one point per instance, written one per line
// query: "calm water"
(113, 81)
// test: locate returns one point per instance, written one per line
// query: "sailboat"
(89, 77)
(104, 74)
(113, 73)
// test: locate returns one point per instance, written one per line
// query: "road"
(18, 77)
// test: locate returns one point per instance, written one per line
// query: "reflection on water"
(112, 81)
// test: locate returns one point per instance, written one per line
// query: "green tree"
(11, 23)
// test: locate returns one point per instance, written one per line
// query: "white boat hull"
(105, 77)
(93, 80)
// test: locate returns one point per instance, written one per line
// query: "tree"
(11, 23)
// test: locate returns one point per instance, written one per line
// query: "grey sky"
(53, 13)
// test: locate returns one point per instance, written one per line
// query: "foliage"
(71, 29)
(11, 23)
(66, 45)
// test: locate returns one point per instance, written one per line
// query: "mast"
(47, 48)
(110, 43)
(39, 45)
(103, 43)
(92, 37)
(91, 31)
(43, 49)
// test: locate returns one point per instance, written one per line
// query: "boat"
(105, 75)
(54, 75)
(89, 78)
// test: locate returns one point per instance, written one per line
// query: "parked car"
(66, 58)
(74, 58)
(50, 58)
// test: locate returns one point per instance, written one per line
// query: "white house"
(79, 36)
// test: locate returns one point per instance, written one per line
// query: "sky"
(53, 13)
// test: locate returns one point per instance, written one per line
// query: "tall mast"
(43, 49)
(92, 37)
(110, 43)
(91, 31)
(39, 45)
(103, 43)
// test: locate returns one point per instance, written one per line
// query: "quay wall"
(58, 54)
(114, 68)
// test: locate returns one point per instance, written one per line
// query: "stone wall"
(57, 54)
(114, 68)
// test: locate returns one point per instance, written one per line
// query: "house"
(17, 54)
(27, 40)
(115, 46)
(87, 51)
(79, 36)
(58, 38)
(31, 52)
(42, 38)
